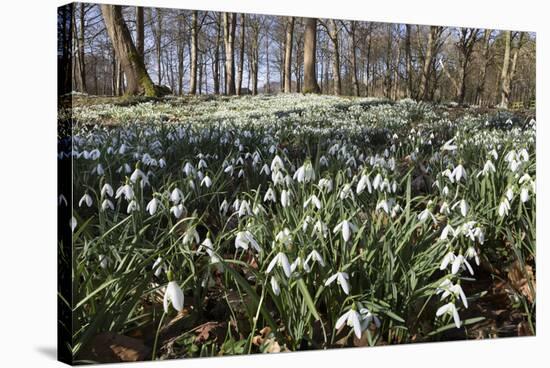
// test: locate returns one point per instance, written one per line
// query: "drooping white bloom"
(504, 207)
(72, 223)
(132, 206)
(297, 262)
(125, 190)
(107, 189)
(173, 294)
(463, 206)
(488, 168)
(449, 257)
(270, 196)
(277, 163)
(152, 206)
(244, 209)
(224, 206)
(280, 260)
(320, 228)
(107, 204)
(305, 173)
(191, 235)
(176, 196)
(460, 262)
(285, 198)
(325, 184)
(244, 239)
(341, 279)
(275, 286)
(346, 227)
(524, 195)
(377, 180)
(367, 317)
(449, 146)
(383, 205)
(446, 231)
(363, 183)
(471, 253)
(158, 266)
(316, 257)
(86, 198)
(459, 173)
(314, 200)
(284, 237)
(137, 174)
(447, 288)
(351, 318)
(449, 308)
(206, 181)
(346, 192)
(103, 261)
(177, 210)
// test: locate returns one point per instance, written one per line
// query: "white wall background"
(28, 180)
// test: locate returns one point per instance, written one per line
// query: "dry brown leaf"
(520, 278)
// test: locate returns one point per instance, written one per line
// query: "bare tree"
(310, 45)
(194, 52)
(240, 68)
(137, 78)
(229, 24)
(288, 54)
(408, 60)
(433, 36)
(465, 45)
(505, 75)
(140, 31)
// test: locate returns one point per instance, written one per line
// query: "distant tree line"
(117, 50)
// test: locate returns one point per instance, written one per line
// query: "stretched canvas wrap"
(243, 184)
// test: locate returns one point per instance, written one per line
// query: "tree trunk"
(140, 31)
(194, 53)
(408, 61)
(388, 76)
(137, 78)
(81, 50)
(310, 45)
(334, 35)
(288, 55)
(423, 91)
(480, 89)
(353, 59)
(180, 48)
(158, 40)
(240, 69)
(267, 77)
(216, 73)
(229, 23)
(505, 75)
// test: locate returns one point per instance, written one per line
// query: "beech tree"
(137, 78)
(310, 46)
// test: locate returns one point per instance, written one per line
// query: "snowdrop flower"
(284, 237)
(346, 192)
(448, 146)
(244, 209)
(188, 169)
(460, 262)
(280, 260)
(158, 266)
(463, 206)
(377, 180)
(524, 195)
(132, 206)
(445, 209)
(509, 194)
(320, 228)
(314, 200)
(459, 172)
(297, 262)
(488, 168)
(363, 183)
(277, 178)
(275, 286)
(86, 198)
(62, 200)
(504, 207)
(383, 205)
(325, 184)
(305, 173)
(224, 206)
(206, 181)
(107, 204)
(176, 196)
(173, 294)
(270, 196)
(445, 233)
(449, 258)
(447, 288)
(103, 261)
(346, 227)
(341, 279)
(265, 170)
(137, 174)
(125, 190)
(277, 163)
(177, 210)
(427, 213)
(229, 170)
(152, 206)
(72, 223)
(244, 239)
(449, 308)
(107, 189)
(285, 198)
(350, 318)
(471, 253)
(316, 257)
(367, 318)
(191, 235)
